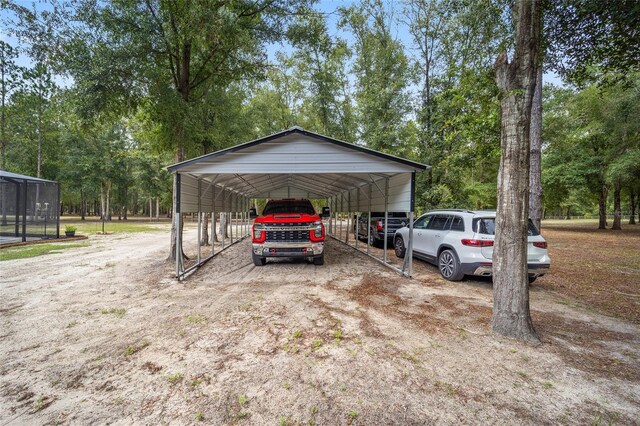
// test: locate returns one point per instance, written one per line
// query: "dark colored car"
(395, 221)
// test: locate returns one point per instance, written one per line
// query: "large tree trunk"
(602, 207)
(535, 169)
(632, 207)
(516, 81)
(617, 211)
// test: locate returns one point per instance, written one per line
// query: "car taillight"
(540, 244)
(317, 233)
(259, 234)
(380, 225)
(477, 243)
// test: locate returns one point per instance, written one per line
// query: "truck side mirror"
(252, 213)
(326, 212)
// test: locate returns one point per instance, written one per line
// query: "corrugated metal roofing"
(16, 176)
(295, 164)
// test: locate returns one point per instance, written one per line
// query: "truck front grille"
(288, 236)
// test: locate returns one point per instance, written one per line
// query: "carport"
(295, 163)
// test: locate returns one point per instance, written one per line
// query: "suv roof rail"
(453, 210)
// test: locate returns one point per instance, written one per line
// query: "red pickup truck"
(288, 228)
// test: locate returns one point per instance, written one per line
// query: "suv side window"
(438, 223)
(421, 223)
(457, 224)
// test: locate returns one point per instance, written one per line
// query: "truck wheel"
(318, 260)
(258, 260)
(372, 240)
(399, 247)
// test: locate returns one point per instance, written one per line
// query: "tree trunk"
(158, 209)
(223, 226)
(83, 206)
(102, 203)
(632, 207)
(516, 81)
(204, 234)
(535, 169)
(602, 207)
(213, 228)
(108, 206)
(617, 211)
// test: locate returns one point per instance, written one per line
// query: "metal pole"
(410, 246)
(177, 221)
(231, 216)
(369, 221)
(58, 212)
(386, 216)
(224, 202)
(341, 211)
(24, 212)
(346, 238)
(17, 226)
(357, 216)
(213, 219)
(199, 217)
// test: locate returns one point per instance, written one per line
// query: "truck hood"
(288, 218)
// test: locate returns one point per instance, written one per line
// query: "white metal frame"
(332, 179)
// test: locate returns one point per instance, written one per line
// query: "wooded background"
(114, 91)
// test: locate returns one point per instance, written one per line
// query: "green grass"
(116, 226)
(23, 252)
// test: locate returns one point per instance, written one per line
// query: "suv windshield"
(487, 226)
(297, 206)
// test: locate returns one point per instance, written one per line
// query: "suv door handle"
(438, 235)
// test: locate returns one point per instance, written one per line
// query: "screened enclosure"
(29, 208)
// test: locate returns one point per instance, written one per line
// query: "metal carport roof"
(296, 163)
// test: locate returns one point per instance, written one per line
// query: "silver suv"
(460, 242)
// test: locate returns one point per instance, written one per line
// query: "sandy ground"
(104, 335)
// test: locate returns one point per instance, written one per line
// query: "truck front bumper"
(284, 249)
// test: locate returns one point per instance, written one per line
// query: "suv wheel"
(258, 260)
(399, 248)
(449, 265)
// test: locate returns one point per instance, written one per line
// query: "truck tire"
(258, 260)
(318, 260)
(372, 240)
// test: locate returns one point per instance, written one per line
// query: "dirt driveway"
(103, 334)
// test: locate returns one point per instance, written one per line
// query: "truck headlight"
(318, 229)
(257, 230)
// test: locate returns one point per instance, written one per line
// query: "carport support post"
(199, 217)
(346, 238)
(357, 224)
(177, 216)
(411, 214)
(386, 216)
(369, 221)
(213, 219)
(224, 202)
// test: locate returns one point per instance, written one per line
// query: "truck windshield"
(275, 207)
